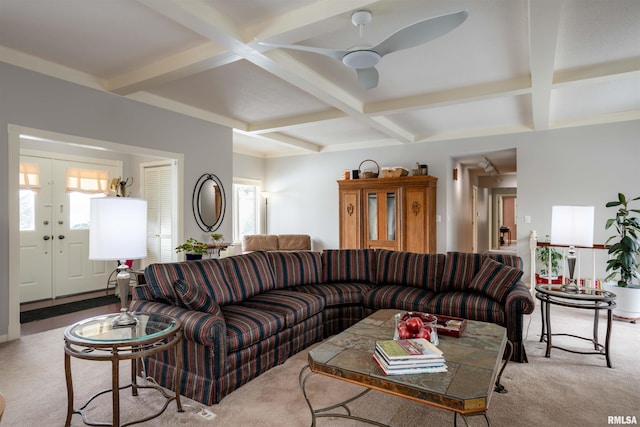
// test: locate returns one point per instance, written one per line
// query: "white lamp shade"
(572, 225)
(118, 228)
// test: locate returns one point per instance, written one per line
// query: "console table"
(584, 298)
(96, 339)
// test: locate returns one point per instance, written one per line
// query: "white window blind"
(87, 180)
(29, 176)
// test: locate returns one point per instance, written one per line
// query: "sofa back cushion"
(511, 260)
(409, 269)
(208, 274)
(294, 242)
(259, 242)
(251, 274)
(296, 268)
(348, 265)
(459, 270)
(495, 279)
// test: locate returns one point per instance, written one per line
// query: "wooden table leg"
(115, 389)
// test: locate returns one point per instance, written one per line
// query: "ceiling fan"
(363, 58)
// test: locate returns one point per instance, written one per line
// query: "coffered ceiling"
(513, 65)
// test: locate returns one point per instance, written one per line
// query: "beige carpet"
(565, 390)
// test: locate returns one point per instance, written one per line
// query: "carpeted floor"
(71, 307)
(564, 390)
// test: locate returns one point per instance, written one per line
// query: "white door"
(159, 192)
(73, 271)
(36, 229)
(62, 222)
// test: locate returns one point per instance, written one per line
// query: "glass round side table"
(583, 298)
(96, 339)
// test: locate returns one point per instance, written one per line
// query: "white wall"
(586, 165)
(32, 100)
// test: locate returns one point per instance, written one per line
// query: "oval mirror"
(209, 202)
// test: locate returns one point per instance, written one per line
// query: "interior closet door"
(159, 191)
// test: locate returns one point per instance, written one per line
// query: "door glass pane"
(79, 210)
(391, 216)
(27, 210)
(372, 215)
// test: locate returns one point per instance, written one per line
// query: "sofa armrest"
(207, 329)
(519, 302)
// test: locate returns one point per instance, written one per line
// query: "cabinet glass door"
(381, 218)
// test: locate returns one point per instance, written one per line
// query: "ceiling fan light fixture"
(361, 59)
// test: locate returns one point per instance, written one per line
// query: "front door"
(57, 244)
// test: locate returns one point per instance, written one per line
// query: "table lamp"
(572, 226)
(118, 231)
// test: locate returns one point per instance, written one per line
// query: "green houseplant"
(623, 261)
(546, 254)
(193, 248)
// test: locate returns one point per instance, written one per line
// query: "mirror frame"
(196, 199)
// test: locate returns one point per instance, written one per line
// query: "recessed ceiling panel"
(480, 115)
(103, 38)
(592, 100)
(243, 91)
(595, 32)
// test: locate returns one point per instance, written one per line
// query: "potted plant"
(217, 238)
(548, 255)
(623, 261)
(193, 249)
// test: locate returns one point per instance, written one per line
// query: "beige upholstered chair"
(272, 242)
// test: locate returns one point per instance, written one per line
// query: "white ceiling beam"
(188, 110)
(295, 142)
(513, 87)
(183, 64)
(598, 72)
(544, 23)
(294, 122)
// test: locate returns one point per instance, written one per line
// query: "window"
(246, 208)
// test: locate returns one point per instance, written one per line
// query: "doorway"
(15, 133)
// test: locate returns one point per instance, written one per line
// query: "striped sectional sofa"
(244, 314)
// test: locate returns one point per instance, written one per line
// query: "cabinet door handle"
(61, 236)
(46, 237)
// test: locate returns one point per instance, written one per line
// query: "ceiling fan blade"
(421, 32)
(337, 54)
(367, 77)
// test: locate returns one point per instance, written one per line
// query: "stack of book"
(409, 356)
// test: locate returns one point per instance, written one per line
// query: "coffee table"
(97, 339)
(473, 362)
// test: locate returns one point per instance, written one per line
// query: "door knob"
(61, 236)
(46, 237)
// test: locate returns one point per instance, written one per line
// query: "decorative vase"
(627, 301)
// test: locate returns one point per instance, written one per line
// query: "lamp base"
(125, 318)
(571, 287)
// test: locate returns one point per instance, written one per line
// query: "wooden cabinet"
(389, 213)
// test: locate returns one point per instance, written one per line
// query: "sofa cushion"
(259, 242)
(193, 297)
(338, 293)
(495, 279)
(293, 306)
(348, 265)
(251, 274)
(459, 269)
(400, 297)
(511, 260)
(295, 268)
(409, 269)
(211, 274)
(468, 305)
(247, 326)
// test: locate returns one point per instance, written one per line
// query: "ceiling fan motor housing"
(361, 59)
